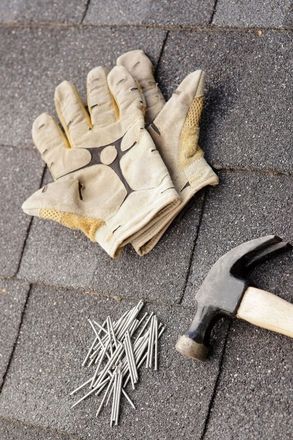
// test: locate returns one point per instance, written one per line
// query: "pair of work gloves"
(125, 165)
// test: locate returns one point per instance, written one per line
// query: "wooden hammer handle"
(266, 310)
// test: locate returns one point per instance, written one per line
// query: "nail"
(80, 387)
(152, 342)
(112, 332)
(145, 325)
(104, 396)
(98, 366)
(117, 354)
(100, 326)
(109, 332)
(93, 327)
(89, 352)
(114, 398)
(156, 344)
(118, 396)
(149, 344)
(84, 397)
(128, 398)
(130, 360)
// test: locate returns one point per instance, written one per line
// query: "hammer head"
(222, 290)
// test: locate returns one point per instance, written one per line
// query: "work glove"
(109, 178)
(174, 127)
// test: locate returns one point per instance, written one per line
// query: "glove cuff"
(113, 238)
(200, 174)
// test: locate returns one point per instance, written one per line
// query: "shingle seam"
(85, 11)
(36, 426)
(28, 229)
(16, 339)
(194, 245)
(217, 381)
(213, 12)
(162, 52)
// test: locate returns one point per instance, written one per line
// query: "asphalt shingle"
(258, 13)
(247, 120)
(171, 403)
(13, 296)
(35, 60)
(14, 430)
(42, 11)
(246, 206)
(252, 399)
(21, 173)
(161, 12)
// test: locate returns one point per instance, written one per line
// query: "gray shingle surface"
(13, 295)
(162, 12)
(42, 11)
(21, 172)
(246, 206)
(35, 60)
(253, 400)
(14, 430)
(171, 403)
(261, 13)
(247, 119)
(58, 256)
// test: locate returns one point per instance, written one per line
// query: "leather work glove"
(109, 178)
(174, 127)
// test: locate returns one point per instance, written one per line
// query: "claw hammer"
(225, 291)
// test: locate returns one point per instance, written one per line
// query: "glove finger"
(187, 96)
(141, 68)
(127, 96)
(179, 120)
(54, 147)
(190, 88)
(102, 107)
(72, 113)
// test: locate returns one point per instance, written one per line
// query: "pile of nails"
(117, 352)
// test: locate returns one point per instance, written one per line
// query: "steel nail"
(104, 397)
(156, 344)
(100, 326)
(144, 326)
(80, 387)
(118, 396)
(152, 343)
(129, 359)
(112, 332)
(114, 398)
(103, 353)
(84, 397)
(128, 398)
(89, 352)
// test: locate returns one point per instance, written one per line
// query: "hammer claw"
(251, 251)
(266, 252)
